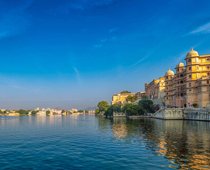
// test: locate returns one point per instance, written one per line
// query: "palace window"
(189, 68)
(207, 81)
(190, 76)
(189, 60)
(189, 84)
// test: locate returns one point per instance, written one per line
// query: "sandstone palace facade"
(188, 86)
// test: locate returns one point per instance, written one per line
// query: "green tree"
(103, 106)
(97, 111)
(125, 91)
(116, 108)
(131, 98)
(47, 112)
(132, 109)
(23, 112)
(109, 111)
(147, 106)
(2, 112)
(34, 112)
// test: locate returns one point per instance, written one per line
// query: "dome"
(170, 73)
(180, 64)
(192, 53)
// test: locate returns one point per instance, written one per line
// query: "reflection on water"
(87, 142)
(119, 128)
(183, 143)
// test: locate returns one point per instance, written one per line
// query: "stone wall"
(119, 114)
(183, 114)
(197, 114)
(169, 113)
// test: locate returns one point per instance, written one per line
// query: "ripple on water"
(86, 142)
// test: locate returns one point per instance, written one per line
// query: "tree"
(23, 112)
(131, 98)
(34, 112)
(147, 106)
(97, 111)
(103, 106)
(2, 112)
(132, 109)
(47, 112)
(109, 112)
(116, 108)
(113, 108)
(125, 91)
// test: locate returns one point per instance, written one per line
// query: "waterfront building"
(175, 86)
(120, 98)
(155, 90)
(140, 95)
(197, 79)
(188, 86)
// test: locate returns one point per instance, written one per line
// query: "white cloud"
(77, 75)
(141, 60)
(202, 29)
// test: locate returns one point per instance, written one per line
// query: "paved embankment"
(183, 114)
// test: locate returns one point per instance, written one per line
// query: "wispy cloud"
(141, 60)
(77, 75)
(202, 29)
(14, 20)
(98, 45)
(85, 4)
(103, 41)
(110, 38)
(13, 24)
(113, 30)
(148, 55)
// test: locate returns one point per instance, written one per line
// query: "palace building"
(188, 86)
(175, 90)
(120, 98)
(155, 90)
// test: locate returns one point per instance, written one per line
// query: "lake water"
(87, 142)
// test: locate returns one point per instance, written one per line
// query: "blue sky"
(73, 53)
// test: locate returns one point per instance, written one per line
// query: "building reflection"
(119, 128)
(185, 144)
(39, 121)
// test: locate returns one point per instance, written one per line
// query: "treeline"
(142, 107)
(21, 112)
